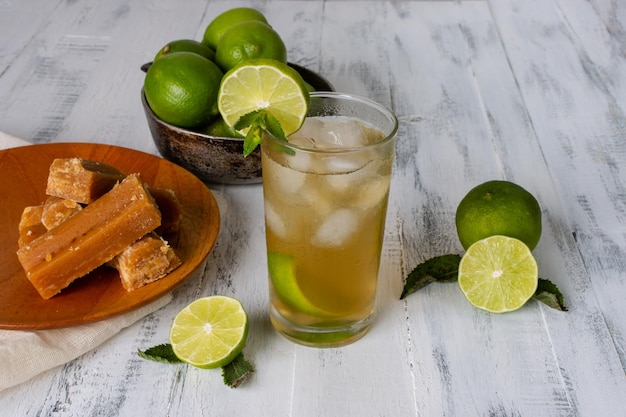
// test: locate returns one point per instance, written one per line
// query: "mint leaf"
(160, 353)
(237, 372)
(443, 268)
(258, 122)
(252, 139)
(549, 294)
(247, 120)
(274, 128)
(255, 121)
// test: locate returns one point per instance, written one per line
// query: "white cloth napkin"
(24, 354)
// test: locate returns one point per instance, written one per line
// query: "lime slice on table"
(282, 273)
(264, 84)
(210, 332)
(498, 274)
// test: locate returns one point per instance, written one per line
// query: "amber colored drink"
(326, 194)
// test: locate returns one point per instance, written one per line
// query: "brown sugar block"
(56, 210)
(90, 238)
(81, 180)
(30, 226)
(145, 261)
(171, 211)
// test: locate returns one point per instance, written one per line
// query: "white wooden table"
(532, 91)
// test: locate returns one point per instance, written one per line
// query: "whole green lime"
(224, 21)
(181, 89)
(247, 41)
(498, 208)
(219, 128)
(186, 45)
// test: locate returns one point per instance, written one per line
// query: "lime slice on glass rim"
(268, 90)
(283, 276)
(498, 274)
(210, 332)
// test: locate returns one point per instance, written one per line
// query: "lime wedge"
(264, 84)
(498, 274)
(210, 332)
(283, 276)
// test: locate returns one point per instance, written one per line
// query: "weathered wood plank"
(572, 342)
(21, 24)
(580, 121)
(504, 131)
(457, 148)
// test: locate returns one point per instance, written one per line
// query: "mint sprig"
(234, 374)
(445, 268)
(258, 122)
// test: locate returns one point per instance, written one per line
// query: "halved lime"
(282, 273)
(264, 84)
(498, 274)
(210, 332)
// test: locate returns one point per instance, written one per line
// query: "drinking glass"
(325, 200)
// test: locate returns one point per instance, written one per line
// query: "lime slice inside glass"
(282, 273)
(498, 274)
(264, 84)
(210, 332)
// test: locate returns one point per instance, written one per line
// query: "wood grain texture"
(532, 92)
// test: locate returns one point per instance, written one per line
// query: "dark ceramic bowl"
(214, 158)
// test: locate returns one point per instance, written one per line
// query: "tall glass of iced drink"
(325, 194)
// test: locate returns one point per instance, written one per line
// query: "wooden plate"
(23, 177)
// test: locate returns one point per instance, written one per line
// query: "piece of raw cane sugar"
(90, 238)
(37, 220)
(56, 210)
(145, 261)
(171, 211)
(81, 180)
(30, 226)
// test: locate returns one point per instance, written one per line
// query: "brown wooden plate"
(99, 295)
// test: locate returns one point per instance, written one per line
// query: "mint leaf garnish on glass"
(234, 374)
(258, 121)
(445, 268)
